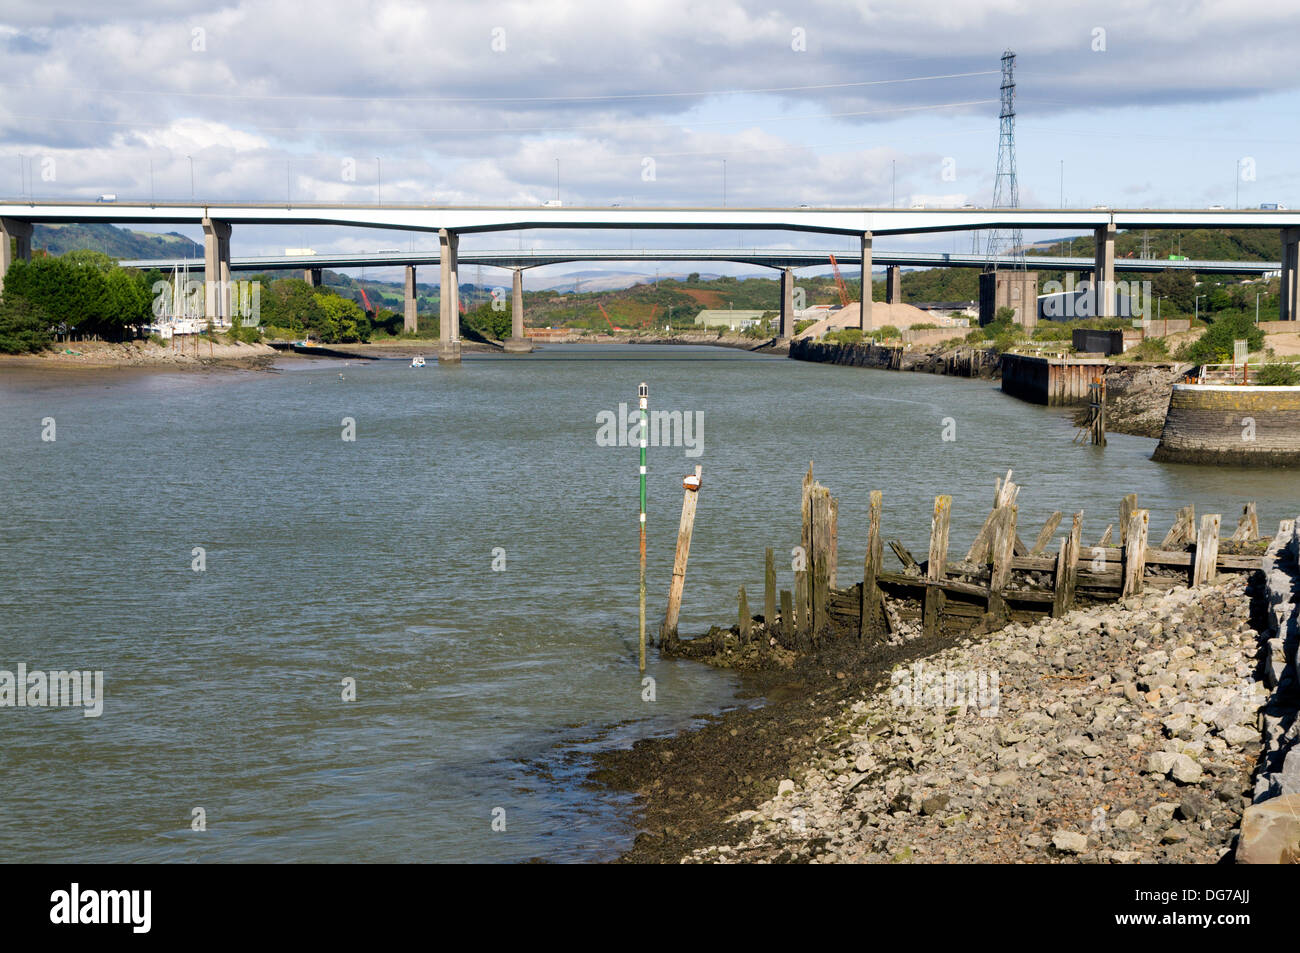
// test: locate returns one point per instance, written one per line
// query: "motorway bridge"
(18, 217)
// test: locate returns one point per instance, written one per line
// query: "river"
(468, 562)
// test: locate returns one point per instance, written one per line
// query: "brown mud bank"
(145, 355)
(690, 783)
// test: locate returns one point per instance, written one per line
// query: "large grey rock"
(1161, 762)
(1069, 842)
(1270, 832)
(1185, 770)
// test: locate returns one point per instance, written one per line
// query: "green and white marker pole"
(643, 395)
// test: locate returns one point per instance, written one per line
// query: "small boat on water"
(417, 361)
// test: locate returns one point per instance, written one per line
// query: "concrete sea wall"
(1231, 424)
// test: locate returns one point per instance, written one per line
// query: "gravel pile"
(1125, 733)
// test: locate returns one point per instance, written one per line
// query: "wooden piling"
(803, 611)
(834, 542)
(1045, 534)
(871, 610)
(668, 630)
(821, 552)
(1067, 569)
(769, 587)
(937, 563)
(1135, 553)
(1105, 537)
(1207, 550)
(746, 620)
(1126, 508)
(787, 618)
(1247, 526)
(1183, 531)
(1004, 536)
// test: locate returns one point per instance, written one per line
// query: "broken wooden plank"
(1045, 534)
(1184, 529)
(904, 557)
(1247, 525)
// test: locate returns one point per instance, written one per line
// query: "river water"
(469, 560)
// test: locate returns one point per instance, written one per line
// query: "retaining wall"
(1231, 424)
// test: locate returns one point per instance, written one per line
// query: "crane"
(839, 283)
(605, 314)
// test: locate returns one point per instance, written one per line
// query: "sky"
(1126, 104)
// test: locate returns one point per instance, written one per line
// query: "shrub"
(1005, 342)
(1215, 345)
(1053, 332)
(1278, 374)
(1151, 349)
(24, 326)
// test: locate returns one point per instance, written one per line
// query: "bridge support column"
(1288, 301)
(312, 276)
(448, 298)
(517, 343)
(787, 304)
(1103, 272)
(865, 322)
(410, 313)
(216, 269)
(21, 232)
(894, 284)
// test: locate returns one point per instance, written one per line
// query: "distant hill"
(113, 241)
(1201, 244)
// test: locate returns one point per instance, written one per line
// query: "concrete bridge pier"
(1288, 304)
(1103, 272)
(517, 343)
(216, 269)
(312, 276)
(787, 304)
(410, 312)
(21, 232)
(894, 284)
(448, 298)
(865, 322)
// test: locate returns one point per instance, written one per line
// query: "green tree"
(291, 303)
(489, 322)
(24, 326)
(344, 322)
(1178, 286)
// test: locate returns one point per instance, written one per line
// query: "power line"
(154, 93)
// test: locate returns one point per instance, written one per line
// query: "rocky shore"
(1122, 734)
(1127, 732)
(1137, 397)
